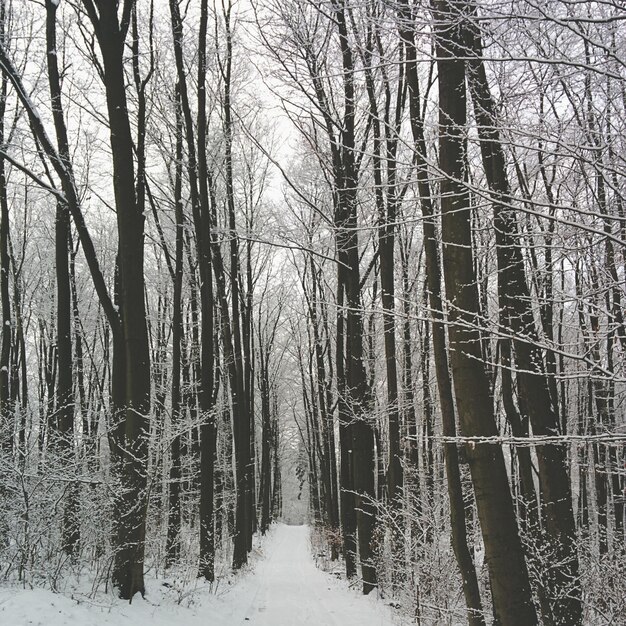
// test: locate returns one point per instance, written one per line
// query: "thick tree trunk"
(208, 429)
(535, 393)
(433, 276)
(357, 400)
(6, 406)
(357, 391)
(513, 604)
(64, 418)
(131, 360)
(128, 433)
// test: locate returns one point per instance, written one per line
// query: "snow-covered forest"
(356, 266)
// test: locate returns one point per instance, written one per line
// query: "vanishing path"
(287, 589)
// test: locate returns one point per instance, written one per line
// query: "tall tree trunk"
(510, 585)
(200, 201)
(131, 355)
(6, 407)
(241, 418)
(208, 429)
(130, 376)
(65, 382)
(534, 388)
(357, 391)
(433, 276)
(174, 505)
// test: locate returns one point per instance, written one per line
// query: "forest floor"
(282, 587)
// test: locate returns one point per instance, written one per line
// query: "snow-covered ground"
(283, 588)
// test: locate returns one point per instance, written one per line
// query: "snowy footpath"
(287, 588)
(284, 588)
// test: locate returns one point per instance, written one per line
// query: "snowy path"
(288, 589)
(282, 588)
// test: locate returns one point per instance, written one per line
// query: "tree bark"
(460, 545)
(510, 585)
(517, 318)
(174, 505)
(7, 426)
(131, 355)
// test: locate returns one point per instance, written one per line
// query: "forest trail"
(287, 589)
(282, 587)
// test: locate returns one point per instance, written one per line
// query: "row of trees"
(432, 301)
(153, 347)
(471, 198)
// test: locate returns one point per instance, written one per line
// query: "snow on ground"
(284, 588)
